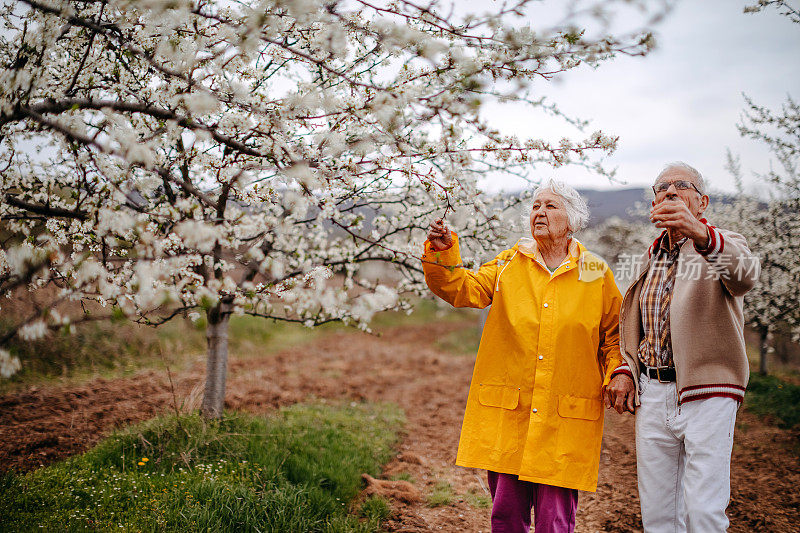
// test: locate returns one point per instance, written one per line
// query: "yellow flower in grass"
(140, 463)
(145, 459)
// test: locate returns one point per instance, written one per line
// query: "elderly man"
(681, 338)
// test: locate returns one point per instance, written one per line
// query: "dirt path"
(403, 366)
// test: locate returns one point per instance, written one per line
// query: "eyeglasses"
(681, 185)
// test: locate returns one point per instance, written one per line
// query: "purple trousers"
(512, 500)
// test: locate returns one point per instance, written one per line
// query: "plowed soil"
(404, 365)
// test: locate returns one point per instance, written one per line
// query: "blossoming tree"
(168, 158)
(773, 226)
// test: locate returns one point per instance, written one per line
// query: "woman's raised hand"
(439, 235)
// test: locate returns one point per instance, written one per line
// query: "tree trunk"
(763, 348)
(217, 362)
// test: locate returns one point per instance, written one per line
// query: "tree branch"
(45, 210)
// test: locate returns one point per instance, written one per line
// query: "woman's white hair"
(575, 205)
(680, 165)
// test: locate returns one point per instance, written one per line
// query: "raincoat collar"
(528, 246)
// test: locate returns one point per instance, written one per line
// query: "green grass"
(425, 312)
(774, 398)
(462, 342)
(375, 509)
(294, 472)
(479, 500)
(251, 336)
(105, 348)
(442, 494)
(120, 348)
(403, 476)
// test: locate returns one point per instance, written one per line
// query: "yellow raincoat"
(548, 349)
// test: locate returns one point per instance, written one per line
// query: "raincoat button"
(541, 357)
(545, 304)
(535, 410)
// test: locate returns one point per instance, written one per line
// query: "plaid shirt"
(655, 349)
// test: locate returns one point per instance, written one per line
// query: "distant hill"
(621, 203)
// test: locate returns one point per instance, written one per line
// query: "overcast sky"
(682, 101)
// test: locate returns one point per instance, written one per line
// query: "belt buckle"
(658, 376)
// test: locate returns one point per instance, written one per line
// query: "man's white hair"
(575, 205)
(680, 165)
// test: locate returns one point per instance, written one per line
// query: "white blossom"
(9, 365)
(367, 305)
(197, 234)
(33, 331)
(200, 103)
(114, 221)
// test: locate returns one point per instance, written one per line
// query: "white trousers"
(683, 459)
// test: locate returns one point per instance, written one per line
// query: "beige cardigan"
(706, 319)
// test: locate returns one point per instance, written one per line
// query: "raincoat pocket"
(579, 434)
(498, 432)
(498, 396)
(577, 407)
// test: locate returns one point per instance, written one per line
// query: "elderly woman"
(534, 415)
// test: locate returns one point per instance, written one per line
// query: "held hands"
(439, 235)
(619, 394)
(674, 215)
